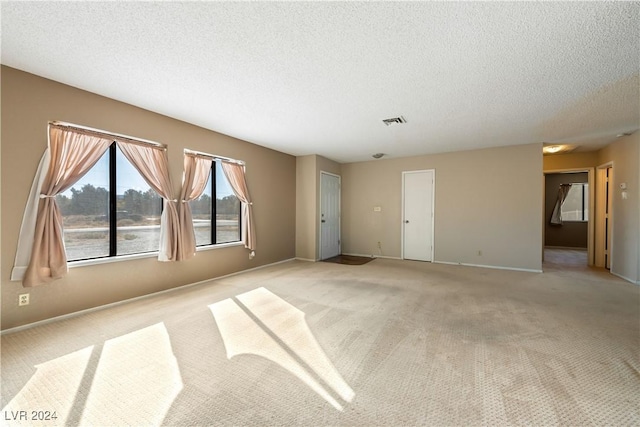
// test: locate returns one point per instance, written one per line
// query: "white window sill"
(107, 260)
(218, 246)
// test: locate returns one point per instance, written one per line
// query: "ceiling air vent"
(394, 121)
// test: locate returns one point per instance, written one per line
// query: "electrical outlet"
(23, 299)
(379, 245)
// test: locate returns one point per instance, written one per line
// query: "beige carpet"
(565, 258)
(386, 343)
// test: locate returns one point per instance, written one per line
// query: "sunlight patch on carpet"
(52, 390)
(261, 323)
(136, 380)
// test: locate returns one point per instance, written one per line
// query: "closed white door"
(417, 212)
(329, 215)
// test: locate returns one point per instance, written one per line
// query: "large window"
(576, 205)
(110, 211)
(216, 213)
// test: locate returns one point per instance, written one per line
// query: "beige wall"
(28, 102)
(570, 161)
(308, 170)
(486, 200)
(305, 207)
(625, 155)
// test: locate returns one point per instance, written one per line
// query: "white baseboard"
(114, 304)
(635, 282)
(494, 267)
(305, 259)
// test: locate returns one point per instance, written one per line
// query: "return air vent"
(394, 121)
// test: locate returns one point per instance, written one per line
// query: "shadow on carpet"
(348, 260)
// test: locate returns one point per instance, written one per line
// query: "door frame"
(599, 256)
(591, 219)
(433, 213)
(319, 218)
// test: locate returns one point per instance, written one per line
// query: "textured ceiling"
(318, 78)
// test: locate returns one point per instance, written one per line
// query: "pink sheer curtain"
(153, 164)
(235, 174)
(196, 175)
(72, 155)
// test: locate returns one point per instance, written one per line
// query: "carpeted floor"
(388, 343)
(565, 258)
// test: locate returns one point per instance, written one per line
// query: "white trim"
(433, 213)
(635, 282)
(219, 246)
(117, 303)
(119, 258)
(319, 254)
(108, 260)
(305, 259)
(495, 267)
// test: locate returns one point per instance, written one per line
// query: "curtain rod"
(108, 135)
(211, 156)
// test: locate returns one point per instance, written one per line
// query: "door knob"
(406, 221)
(323, 220)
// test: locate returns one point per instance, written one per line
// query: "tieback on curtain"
(46, 196)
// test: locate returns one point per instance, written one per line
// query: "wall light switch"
(377, 209)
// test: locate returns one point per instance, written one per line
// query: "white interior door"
(329, 215)
(417, 215)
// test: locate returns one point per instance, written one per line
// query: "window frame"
(213, 221)
(584, 212)
(113, 219)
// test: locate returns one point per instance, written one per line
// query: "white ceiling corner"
(319, 77)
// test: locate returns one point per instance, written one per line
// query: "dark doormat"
(349, 259)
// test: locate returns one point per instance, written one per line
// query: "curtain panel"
(71, 156)
(153, 164)
(194, 182)
(28, 226)
(235, 174)
(556, 216)
(71, 153)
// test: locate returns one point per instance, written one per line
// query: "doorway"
(329, 215)
(568, 218)
(418, 191)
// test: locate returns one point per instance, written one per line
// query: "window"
(216, 213)
(110, 211)
(576, 205)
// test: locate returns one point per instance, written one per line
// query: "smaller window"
(576, 205)
(216, 213)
